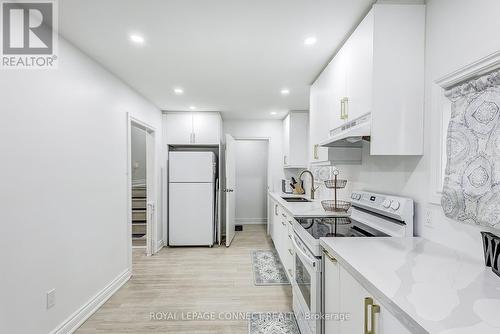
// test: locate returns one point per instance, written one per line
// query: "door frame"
(151, 193)
(269, 178)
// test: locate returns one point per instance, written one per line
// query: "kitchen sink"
(295, 199)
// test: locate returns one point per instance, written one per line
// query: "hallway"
(186, 280)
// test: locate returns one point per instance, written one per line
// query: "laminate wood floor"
(176, 280)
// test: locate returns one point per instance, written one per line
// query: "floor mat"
(267, 268)
(273, 323)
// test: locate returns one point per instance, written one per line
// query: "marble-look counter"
(304, 209)
(431, 288)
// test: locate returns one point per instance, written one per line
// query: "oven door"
(306, 287)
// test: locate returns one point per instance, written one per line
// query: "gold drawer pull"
(374, 310)
(331, 258)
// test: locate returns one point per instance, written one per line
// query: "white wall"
(271, 129)
(138, 148)
(64, 198)
(458, 32)
(251, 181)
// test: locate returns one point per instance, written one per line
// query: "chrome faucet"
(313, 190)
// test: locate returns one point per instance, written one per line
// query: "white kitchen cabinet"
(295, 137)
(331, 291)
(343, 293)
(357, 56)
(324, 114)
(379, 70)
(352, 302)
(206, 128)
(188, 128)
(319, 122)
(281, 233)
(178, 128)
(388, 323)
(276, 223)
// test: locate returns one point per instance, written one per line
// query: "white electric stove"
(371, 215)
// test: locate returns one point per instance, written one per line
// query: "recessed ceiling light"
(137, 39)
(311, 40)
(178, 91)
(285, 91)
(192, 107)
(273, 112)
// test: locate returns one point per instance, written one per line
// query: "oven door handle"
(303, 256)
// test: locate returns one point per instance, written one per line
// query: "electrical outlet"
(428, 218)
(51, 298)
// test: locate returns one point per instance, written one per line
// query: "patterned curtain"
(471, 190)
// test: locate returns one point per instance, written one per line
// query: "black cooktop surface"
(325, 227)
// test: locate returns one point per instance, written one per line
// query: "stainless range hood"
(350, 133)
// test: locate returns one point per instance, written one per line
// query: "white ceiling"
(232, 56)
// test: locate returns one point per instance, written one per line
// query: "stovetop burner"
(325, 227)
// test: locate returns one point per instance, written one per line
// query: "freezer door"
(191, 214)
(191, 166)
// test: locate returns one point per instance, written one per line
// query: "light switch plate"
(51, 298)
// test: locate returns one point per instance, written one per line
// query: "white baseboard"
(250, 221)
(159, 246)
(71, 324)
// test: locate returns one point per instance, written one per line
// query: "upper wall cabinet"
(295, 136)
(188, 128)
(379, 70)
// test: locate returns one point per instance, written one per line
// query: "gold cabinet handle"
(370, 324)
(289, 237)
(331, 258)
(315, 152)
(344, 102)
(283, 223)
(290, 251)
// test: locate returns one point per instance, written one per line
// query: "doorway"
(251, 180)
(142, 188)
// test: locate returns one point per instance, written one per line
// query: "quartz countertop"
(431, 288)
(305, 209)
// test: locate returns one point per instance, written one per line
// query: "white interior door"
(230, 188)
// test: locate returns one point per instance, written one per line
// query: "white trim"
(159, 246)
(440, 102)
(269, 175)
(251, 221)
(475, 69)
(152, 225)
(74, 321)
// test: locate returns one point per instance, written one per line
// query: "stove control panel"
(396, 206)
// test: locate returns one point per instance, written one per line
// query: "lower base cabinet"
(349, 308)
(281, 232)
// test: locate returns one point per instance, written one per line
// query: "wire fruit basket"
(336, 205)
(335, 183)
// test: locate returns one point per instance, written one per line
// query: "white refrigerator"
(191, 198)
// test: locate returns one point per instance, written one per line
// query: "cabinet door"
(352, 301)
(388, 323)
(290, 250)
(331, 288)
(318, 123)
(339, 87)
(206, 128)
(286, 140)
(275, 224)
(179, 128)
(359, 64)
(297, 138)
